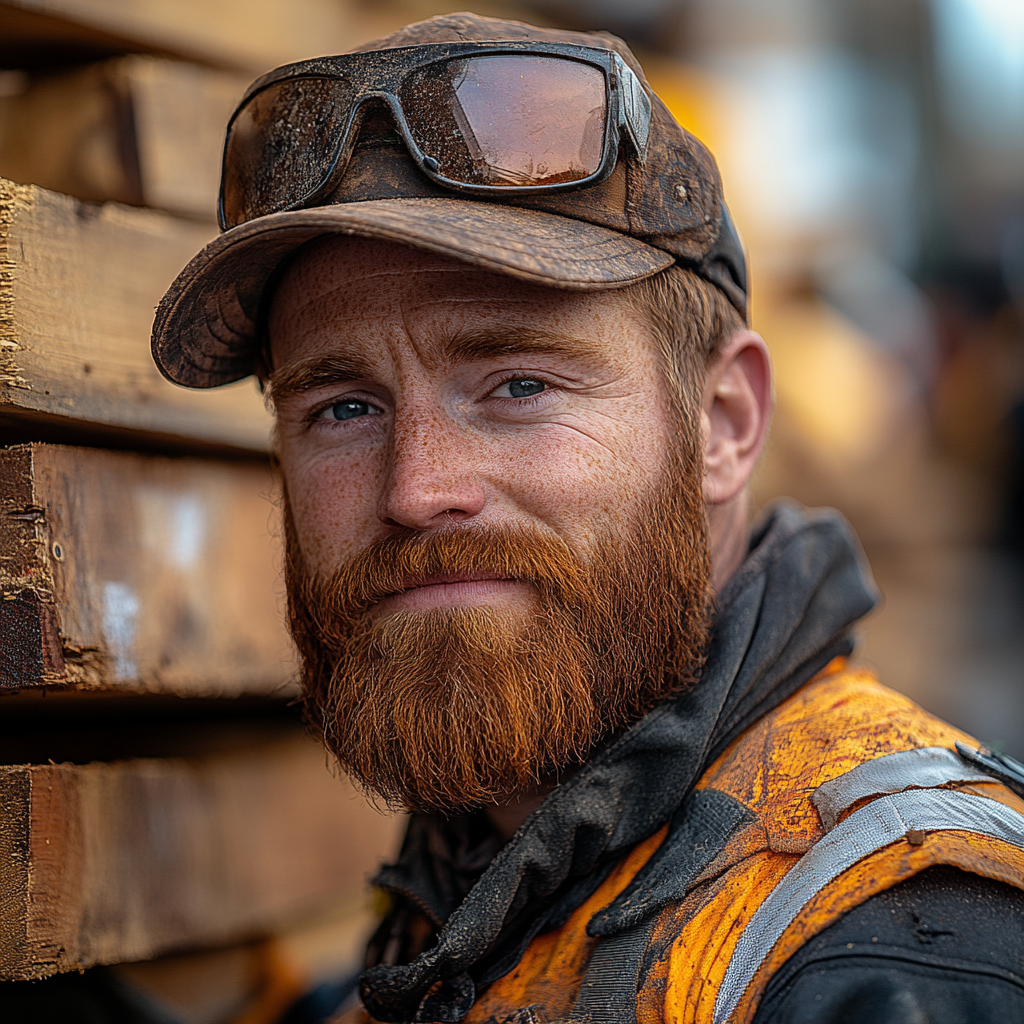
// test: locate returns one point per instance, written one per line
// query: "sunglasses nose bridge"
(374, 101)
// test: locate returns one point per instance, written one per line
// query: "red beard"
(453, 709)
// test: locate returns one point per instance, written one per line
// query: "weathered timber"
(133, 130)
(254, 35)
(74, 133)
(78, 286)
(137, 572)
(180, 112)
(108, 863)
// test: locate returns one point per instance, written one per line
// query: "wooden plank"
(73, 133)
(180, 114)
(40, 40)
(108, 863)
(132, 130)
(136, 572)
(253, 36)
(78, 286)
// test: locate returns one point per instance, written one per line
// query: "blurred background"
(873, 158)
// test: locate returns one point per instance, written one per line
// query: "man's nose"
(433, 477)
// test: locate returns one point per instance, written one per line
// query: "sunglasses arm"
(634, 106)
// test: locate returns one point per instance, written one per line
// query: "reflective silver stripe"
(879, 823)
(922, 768)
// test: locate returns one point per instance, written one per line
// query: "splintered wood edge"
(32, 652)
(14, 198)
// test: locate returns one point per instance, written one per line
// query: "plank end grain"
(31, 653)
(15, 804)
(39, 884)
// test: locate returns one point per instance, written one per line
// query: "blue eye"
(349, 409)
(525, 388)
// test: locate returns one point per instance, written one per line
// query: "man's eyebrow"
(470, 345)
(326, 370)
(314, 372)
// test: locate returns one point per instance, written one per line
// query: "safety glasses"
(483, 118)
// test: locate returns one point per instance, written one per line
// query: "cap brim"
(205, 329)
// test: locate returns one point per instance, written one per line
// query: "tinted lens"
(509, 120)
(281, 146)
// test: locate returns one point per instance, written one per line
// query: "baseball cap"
(650, 213)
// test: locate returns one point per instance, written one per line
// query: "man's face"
(444, 396)
(483, 502)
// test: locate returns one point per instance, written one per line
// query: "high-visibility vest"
(843, 791)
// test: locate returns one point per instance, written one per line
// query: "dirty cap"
(649, 214)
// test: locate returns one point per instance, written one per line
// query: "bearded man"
(499, 308)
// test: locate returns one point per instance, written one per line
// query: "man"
(500, 312)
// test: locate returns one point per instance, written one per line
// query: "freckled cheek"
(333, 503)
(566, 481)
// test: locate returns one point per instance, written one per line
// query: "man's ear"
(736, 412)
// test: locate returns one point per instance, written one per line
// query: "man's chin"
(455, 708)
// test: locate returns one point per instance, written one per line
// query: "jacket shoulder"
(839, 720)
(792, 870)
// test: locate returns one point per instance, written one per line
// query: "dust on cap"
(646, 216)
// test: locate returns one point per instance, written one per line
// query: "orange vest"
(844, 790)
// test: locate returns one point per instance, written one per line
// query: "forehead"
(340, 289)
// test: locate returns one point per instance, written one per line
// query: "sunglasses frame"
(379, 74)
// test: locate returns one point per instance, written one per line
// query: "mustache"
(395, 563)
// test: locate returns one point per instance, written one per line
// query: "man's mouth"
(454, 590)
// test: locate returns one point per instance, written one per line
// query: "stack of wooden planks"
(161, 807)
